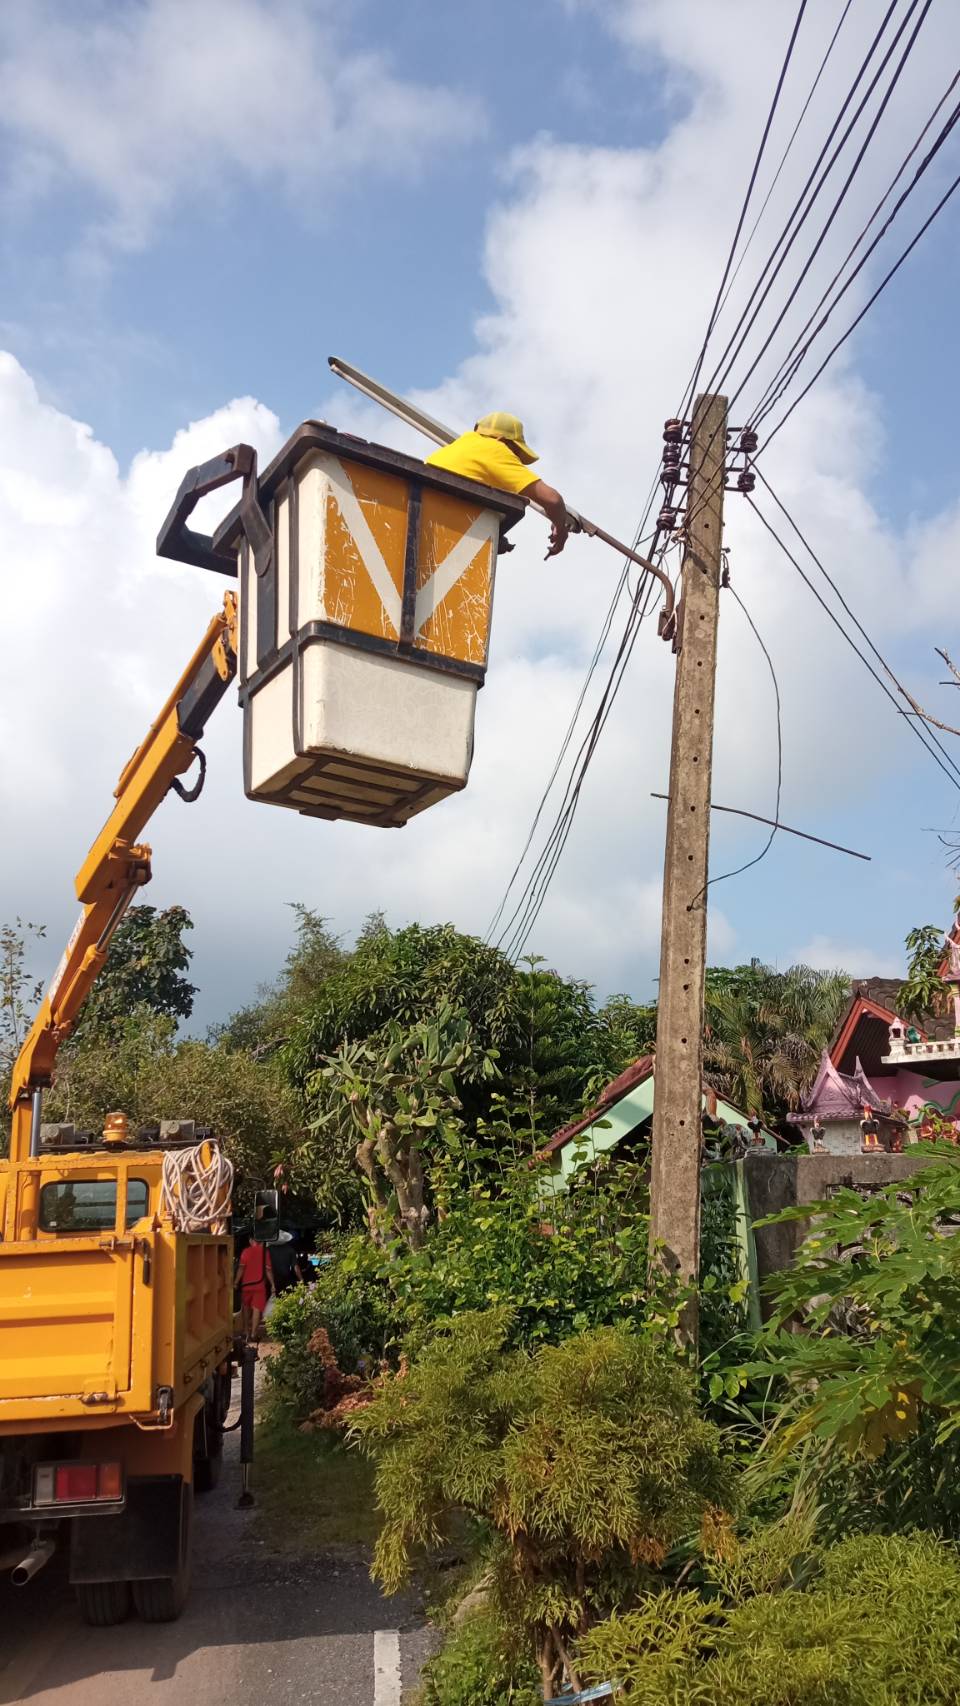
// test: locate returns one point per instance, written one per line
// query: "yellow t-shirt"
(475, 457)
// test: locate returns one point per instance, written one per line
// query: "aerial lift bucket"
(365, 599)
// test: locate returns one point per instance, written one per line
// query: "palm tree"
(765, 1031)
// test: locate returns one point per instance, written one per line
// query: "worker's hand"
(558, 538)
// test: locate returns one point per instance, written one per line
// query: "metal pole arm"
(422, 422)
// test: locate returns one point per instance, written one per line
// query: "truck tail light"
(78, 1483)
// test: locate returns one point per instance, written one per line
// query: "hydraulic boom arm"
(117, 865)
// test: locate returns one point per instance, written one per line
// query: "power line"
(727, 360)
(517, 930)
(561, 754)
(949, 768)
(858, 161)
(881, 287)
(786, 153)
(722, 368)
(796, 354)
(698, 366)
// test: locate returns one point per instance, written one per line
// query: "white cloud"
(171, 100)
(824, 954)
(601, 263)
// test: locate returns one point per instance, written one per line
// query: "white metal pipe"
(39, 1554)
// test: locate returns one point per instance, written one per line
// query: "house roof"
(837, 1095)
(863, 1033)
(615, 1092)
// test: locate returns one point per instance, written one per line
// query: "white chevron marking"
(358, 525)
(454, 564)
(445, 575)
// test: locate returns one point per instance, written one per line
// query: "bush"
(480, 1666)
(878, 1626)
(351, 1301)
(587, 1461)
(559, 1266)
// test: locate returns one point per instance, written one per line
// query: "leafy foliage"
(266, 1023)
(393, 1101)
(587, 1460)
(765, 1031)
(20, 993)
(351, 1302)
(923, 990)
(145, 968)
(878, 1625)
(151, 1076)
(559, 1267)
(880, 1279)
(481, 1666)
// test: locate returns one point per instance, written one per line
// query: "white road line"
(386, 1667)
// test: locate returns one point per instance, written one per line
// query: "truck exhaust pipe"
(39, 1554)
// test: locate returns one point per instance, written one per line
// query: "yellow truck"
(360, 638)
(116, 1288)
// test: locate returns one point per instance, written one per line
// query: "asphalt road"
(258, 1629)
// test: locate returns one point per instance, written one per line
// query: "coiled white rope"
(196, 1188)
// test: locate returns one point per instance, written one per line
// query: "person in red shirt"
(254, 1276)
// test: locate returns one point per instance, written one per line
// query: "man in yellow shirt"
(496, 454)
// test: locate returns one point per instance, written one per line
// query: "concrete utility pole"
(675, 1165)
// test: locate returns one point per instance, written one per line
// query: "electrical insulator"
(667, 519)
(672, 432)
(748, 441)
(746, 481)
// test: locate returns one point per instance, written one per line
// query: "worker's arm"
(551, 501)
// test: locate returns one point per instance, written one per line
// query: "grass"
(312, 1493)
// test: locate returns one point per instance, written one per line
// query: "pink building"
(885, 1083)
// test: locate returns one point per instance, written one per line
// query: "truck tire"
(162, 1598)
(103, 1603)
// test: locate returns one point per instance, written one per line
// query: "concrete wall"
(789, 1181)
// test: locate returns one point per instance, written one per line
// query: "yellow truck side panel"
(93, 1325)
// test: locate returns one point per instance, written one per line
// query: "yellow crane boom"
(117, 864)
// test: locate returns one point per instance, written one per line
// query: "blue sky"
(516, 205)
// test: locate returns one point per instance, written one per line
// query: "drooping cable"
(726, 875)
(563, 748)
(949, 768)
(515, 933)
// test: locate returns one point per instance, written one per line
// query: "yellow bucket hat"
(507, 426)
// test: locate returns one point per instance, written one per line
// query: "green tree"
(392, 1104)
(878, 1284)
(267, 1022)
(20, 996)
(765, 1031)
(586, 1461)
(147, 1073)
(20, 992)
(870, 1622)
(146, 967)
(923, 991)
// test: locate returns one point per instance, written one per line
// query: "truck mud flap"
(142, 1543)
